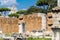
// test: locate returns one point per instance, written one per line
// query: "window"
(34, 31)
(18, 23)
(59, 21)
(50, 24)
(50, 17)
(56, 26)
(39, 31)
(21, 19)
(23, 27)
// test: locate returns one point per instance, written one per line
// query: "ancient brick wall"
(8, 25)
(49, 21)
(32, 22)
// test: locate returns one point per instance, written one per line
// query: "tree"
(22, 12)
(14, 15)
(4, 10)
(0, 14)
(46, 5)
(52, 4)
(34, 9)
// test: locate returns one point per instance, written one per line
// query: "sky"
(20, 4)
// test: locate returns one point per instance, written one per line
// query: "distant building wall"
(13, 10)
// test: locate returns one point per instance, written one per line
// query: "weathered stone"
(9, 25)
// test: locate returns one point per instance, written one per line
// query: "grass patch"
(38, 38)
(1, 39)
(7, 35)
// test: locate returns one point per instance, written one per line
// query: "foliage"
(0, 14)
(49, 3)
(13, 15)
(34, 9)
(46, 4)
(38, 38)
(52, 4)
(42, 2)
(4, 9)
(7, 34)
(22, 11)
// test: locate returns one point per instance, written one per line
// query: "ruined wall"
(32, 22)
(8, 25)
(49, 21)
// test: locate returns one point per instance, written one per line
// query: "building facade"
(13, 9)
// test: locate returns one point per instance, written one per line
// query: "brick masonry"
(8, 25)
(32, 22)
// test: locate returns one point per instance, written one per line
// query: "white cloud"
(7, 2)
